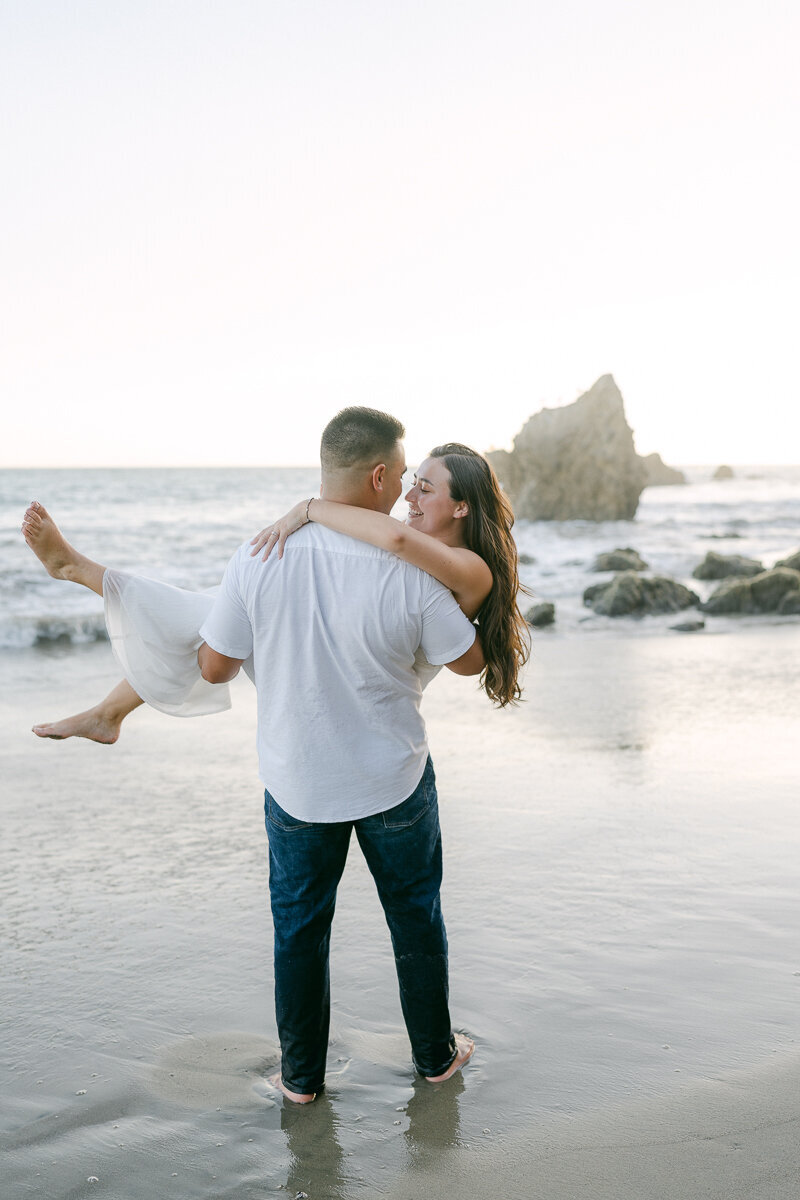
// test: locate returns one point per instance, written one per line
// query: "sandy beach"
(621, 896)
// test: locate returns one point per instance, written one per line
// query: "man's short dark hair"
(359, 437)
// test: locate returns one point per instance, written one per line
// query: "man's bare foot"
(296, 1097)
(60, 560)
(93, 724)
(464, 1050)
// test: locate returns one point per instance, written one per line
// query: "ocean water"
(181, 525)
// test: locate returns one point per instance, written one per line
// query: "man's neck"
(359, 498)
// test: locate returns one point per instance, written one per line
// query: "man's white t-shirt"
(333, 627)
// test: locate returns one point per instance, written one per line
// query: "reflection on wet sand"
(317, 1162)
(316, 1159)
(433, 1118)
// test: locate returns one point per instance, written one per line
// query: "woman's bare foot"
(464, 1050)
(99, 724)
(93, 724)
(296, 1097)
(60, 560)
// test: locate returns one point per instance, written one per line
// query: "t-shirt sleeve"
(227, 627)
(446, 632)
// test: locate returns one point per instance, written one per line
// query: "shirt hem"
(372, 810)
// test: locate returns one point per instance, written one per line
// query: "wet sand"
(621, 897)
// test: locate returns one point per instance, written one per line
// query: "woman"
(458, 530)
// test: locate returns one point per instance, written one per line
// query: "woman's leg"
(61, 560)
(99, 724)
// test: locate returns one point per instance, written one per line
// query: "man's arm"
(228, 625)
(470, 663)
(216, 667)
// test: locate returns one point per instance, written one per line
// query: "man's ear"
(377, 477)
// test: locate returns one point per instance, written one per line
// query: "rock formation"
(631, 594)
(723, 472)
(619, 560)
(775, 591)
(792, 561)
(658, 474)
(790, 604)
(722, 566)
(576, 462)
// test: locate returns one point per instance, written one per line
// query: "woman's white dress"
(154, 630)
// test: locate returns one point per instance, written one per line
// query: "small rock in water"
(727, 566)
(82, 1092)
(771, 591)
(688, 626)
(629, 594)
(301, 1196)
(622, 559)
(92, 1179)
(540, 615)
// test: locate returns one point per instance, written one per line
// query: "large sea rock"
(576, 462)
(792, 561)
(630, 594)
(723, 566)
(775, 591)
(658, 474)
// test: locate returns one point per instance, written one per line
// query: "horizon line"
(206, 466)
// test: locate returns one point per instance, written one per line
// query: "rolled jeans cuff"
(432, 1072)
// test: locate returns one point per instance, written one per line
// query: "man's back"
(334, 627)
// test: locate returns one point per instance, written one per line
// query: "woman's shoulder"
(472, 562)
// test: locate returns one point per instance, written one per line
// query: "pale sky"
(224, 221)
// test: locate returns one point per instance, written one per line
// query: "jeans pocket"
(416, 806)
(283, 820)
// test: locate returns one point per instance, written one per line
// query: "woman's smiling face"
(431, 508)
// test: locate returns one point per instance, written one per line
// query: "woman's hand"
(277, 533)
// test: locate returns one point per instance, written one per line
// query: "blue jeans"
(403, 849)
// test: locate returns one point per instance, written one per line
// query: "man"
(333, 627)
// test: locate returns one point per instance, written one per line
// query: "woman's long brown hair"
(487, 532)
